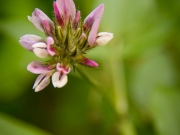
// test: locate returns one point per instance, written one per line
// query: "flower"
(68, 38)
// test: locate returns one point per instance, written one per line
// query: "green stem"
(119, 105)
(125, 124)
(97, 87)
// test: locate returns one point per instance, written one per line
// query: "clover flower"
(68, 39)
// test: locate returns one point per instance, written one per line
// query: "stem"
(125, 125)
(119, 105)
(97, 87)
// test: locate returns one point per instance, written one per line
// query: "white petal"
(59, 80)
(30, 18)
(103, 38)
(44, 82)
(39, 45)
(28, 40)
(38, 80)
(104, 33)
(41, 53)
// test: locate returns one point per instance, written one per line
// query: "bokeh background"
(138, 76)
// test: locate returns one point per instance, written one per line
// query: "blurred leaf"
(12, 126)
(15, 77)
(146, 75)
(166, 110)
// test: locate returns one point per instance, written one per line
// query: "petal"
(37, 17)
(38, 67)
(59, 80)
(48, 29)
(103, 38)
(60, 68)
(50, 49)
(41, 82)
(38, 80)
(41, 53)
(39, 45)
(89, 63)
(28, 40)
(78, 17)
(93, 16)
(57, 14)
(104, 33)
(93, 32)
(67, 9)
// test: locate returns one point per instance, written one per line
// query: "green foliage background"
(139, 74)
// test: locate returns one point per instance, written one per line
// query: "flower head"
(68, 38)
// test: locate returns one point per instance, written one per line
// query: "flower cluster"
(68, 38)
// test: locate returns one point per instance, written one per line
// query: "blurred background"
(139, 74)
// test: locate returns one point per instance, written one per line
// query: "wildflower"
(68, 38)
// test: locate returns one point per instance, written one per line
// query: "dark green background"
(139, 72)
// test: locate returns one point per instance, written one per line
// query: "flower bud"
(89, 63)
(37, 17)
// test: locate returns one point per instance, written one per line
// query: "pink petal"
(48, 29)
(67, 9)
(38, 67)
(93, 32)
(37, 17)
(28, 40)
(89, 63)
(57, 14)
(93, 16)
(59, 80)
(78, 17)
(50, 49)
(41, 82)
(62, 69)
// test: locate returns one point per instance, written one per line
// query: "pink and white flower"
(67, 41)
